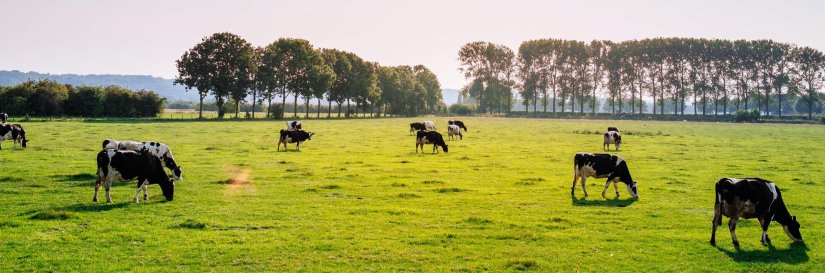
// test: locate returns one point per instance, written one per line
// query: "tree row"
(714, 76)
(50, 98)
(227, 67)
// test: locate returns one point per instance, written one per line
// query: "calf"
(160, 150)
(429, 125)
(429, 137)
(453, 130)
(293, 125)
(294, 136)
(612, 137)
(417, 126)
(600, 166)
(459, 123)
(752, 198)
(126, 165)
(15, 132)
(4, 117)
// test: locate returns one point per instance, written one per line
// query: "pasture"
(358, 198)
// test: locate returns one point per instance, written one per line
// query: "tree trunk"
(283, 103)
(339, 108)
(254, 100)
(307, 106)
(348, 109)
(329, 108)
(269, 107)
(319, 108)
(200, 107)
(295, 107)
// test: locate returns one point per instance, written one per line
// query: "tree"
(808, 74)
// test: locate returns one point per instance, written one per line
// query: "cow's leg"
(435, 149)
(145, 191)
(606, 185)
(575, 179)
(107, 184)
(298, 146)
(584, 183)
(764, 222)
(616, 187)
(716, 222)
(732, 227)
(97, 188)
(141, 183)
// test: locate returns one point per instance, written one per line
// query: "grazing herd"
(735, 197)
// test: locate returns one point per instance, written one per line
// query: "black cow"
(429, 137)
(417, 126)
(4, 117)
(459, 123)
(124, 165)
(612, 129)
(293, 125)
(15, 132)
(752, 198)
(612, 137)
(293, 136)
(600, 166)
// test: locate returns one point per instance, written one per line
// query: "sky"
(146, 37)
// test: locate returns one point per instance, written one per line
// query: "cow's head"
(309, 135)
(792, 229)
(168, 189)
(631, 188)
(178, 173)
(444, 147)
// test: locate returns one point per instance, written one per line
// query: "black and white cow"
(4, 117)
(15, 132)
(124, 165)
(293, 125)
(417, 126)
(752, 198)
(453, 130)
(459, 123)
(612, 129)
(429, 125)
(612, 137)
(600, 166)
(429, 137)
(160, 150)
(293, 136)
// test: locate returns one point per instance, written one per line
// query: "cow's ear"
(794, 217)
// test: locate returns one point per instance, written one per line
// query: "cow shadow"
(95, 207)
(601, 202)
(797, 253)
(77, 180)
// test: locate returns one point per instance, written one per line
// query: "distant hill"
(164, 87)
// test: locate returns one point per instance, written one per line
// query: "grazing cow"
(124, 165)
(160, 150)
(600, 166)
(459, 123)
(752, 198)
(453, 130)
(417, 126)
(4, 117)
(429, 137)
(15, 132)
(295, 136)
(612, 129)
(429, 125)
(612, 137)
(293, 125)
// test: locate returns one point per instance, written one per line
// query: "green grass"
(358, 198)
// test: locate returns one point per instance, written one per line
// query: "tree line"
(49, 98)
(227, 67)
(718, 76)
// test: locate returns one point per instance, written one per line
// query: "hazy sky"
(146, 37)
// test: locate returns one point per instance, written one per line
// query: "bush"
(822, 118)
(747, 116)
(460, 109)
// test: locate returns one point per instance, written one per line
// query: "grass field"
(358, 198)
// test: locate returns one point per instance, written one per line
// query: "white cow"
(612, 137)
(429, 125)
(293, 125)
(453, 130)
(157, 149)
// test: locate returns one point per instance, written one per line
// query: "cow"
(125, 165)
(294, 136)
(612, 129)
(600, 166)
(459, 123)
(293, 125)
(752, 198)
(160, 150)
(429, 137)
(453, 130)
(4, 117)
(417, 126)
(429, 125)
(612, 137)
(15, 132)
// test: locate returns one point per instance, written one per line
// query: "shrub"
(460, 109)
(747, 116)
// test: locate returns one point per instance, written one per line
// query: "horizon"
(103, 38)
